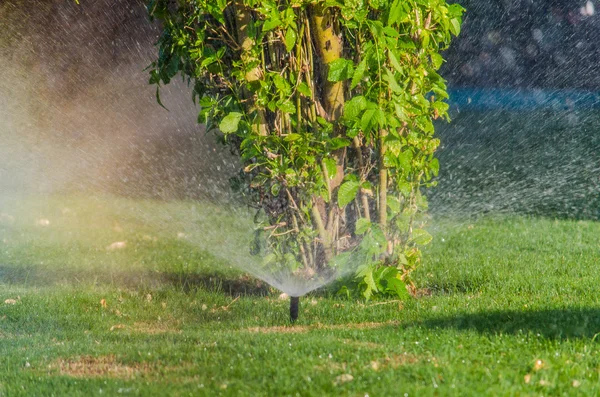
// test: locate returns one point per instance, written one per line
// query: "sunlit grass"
(511, 306)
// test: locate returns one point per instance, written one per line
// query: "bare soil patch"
(105, 366)
(298, 329)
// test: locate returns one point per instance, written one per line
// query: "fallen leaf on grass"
(576, 383)
(103, 303)
(283, 297)
(527, 378)
(343, 379)
(10, 301)
(118, 326)
(539, 364)
(117, 245)
(43, 222)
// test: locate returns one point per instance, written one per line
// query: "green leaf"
(397, 286)
(290, 39)
(275, 189)
(391, 32)
(272, 22)
(391, 79)
(370, 283)
(456, 10)
(435, 166)
(158, 98)
(404, 187)
(394, 61)
(340, 69)
(292, 137)
(230, 123)
(425, 38)
(304, 90)
(405, 159)
(455, 26)
(421, 237)
(354, 107)
(347, 192)
(330, 166)
(362, 226)
(436, 60)
(368, 120)
(287, 106)
(393, 204)
(359, 73)
(338, 143)
(402, 222)
(397, 13)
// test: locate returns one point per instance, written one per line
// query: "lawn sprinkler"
(294, 301)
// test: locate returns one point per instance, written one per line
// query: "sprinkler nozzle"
(294, 303)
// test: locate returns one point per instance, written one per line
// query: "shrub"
(330, 106)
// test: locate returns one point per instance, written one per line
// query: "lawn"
(112, 296)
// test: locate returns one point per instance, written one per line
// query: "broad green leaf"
(404, 187)
(402, 222)
(392, 81)
(400, 112)
(397, 13)
(340, 69)
(354, 107)
(455, 26)
(391, 32)
(271, 23)
(436, 60)
(368, 120)
(397, 286)
(304, 89)
(287, 106)
(456, 10)
(370, 282)
(435, 166)
(390, 160)
(394, 61)
(229, 124)
(347, 192)
(275, 189)
(379, 238)
(362, 226)
(338, 143)
(425, 38)
(359, 73)
(405, 159)
(421, 237)
(393, 204)
(292, 137)
(330, 166)
(290, 39)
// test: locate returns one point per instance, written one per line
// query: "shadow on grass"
(551, 323)
(35, 276)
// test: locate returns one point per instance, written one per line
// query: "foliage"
(330, 105)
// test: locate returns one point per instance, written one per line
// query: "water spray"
(294, 303)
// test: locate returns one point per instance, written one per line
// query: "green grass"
(511, 306)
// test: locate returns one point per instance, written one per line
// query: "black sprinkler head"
(294, 303)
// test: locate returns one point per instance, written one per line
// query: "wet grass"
(513, 309)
